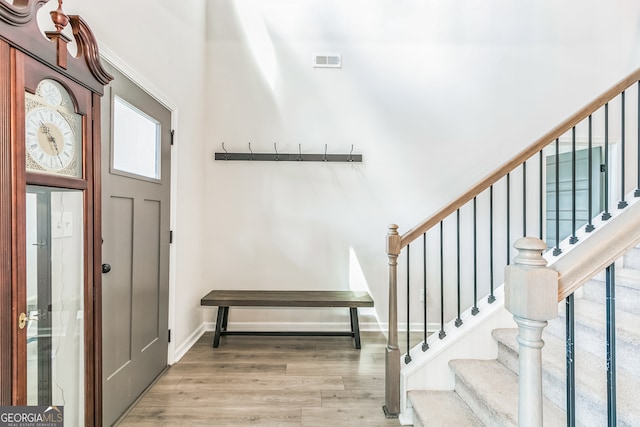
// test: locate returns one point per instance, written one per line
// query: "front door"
(136, 159)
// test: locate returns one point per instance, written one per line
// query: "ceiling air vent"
(327, 60)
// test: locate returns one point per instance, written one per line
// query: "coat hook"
(251, 155)
(226, 153)
(299, 152)
(324, 159)
(350, 158)
(275, 146)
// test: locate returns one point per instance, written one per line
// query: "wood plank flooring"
(270, 381)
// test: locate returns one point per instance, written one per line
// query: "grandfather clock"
(50, 213)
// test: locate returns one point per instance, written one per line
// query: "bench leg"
(355, 327)
(225, 319)
(221, 324)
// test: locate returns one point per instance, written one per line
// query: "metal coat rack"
(289, 157)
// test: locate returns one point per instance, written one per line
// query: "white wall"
(434, 94)
(423, 84)
(163, 42)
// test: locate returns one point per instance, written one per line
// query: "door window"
(136, 141)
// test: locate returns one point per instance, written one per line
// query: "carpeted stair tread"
(631, 259)
(490, 389)
(627, 290)
(591, 384)
(627, 277)
(434, 408)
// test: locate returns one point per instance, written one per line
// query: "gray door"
(136, 151)
(566, 192)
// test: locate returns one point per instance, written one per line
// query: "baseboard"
(406, 418)
(189, 342)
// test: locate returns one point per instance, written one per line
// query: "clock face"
(53, 131)
(50, 140)
(50, 92)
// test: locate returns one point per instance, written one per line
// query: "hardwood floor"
(270, 381)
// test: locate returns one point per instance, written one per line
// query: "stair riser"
(444, 406)
(508, 357)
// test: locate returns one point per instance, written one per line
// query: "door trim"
(118, 63)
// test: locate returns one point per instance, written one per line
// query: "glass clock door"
(54, 318)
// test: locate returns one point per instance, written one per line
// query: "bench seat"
(224, 299)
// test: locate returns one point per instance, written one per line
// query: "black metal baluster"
(508, 218)
(622, 203)
(458, 322)
(590, 227)
(637, 192)
(541, 196)
(425, 346)
(557, 251)
(441, 334)
(606, 215)
(407, 357)
(491, 298)
(574, 239)
(475, 309)
(611, 344)
(571, 372)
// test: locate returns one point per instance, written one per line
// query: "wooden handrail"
(528, 152)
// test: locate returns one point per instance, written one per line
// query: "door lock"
(23, 318)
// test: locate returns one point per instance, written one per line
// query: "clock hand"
(50, 137)
(52, 140)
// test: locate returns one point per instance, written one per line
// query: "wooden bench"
(224, 299)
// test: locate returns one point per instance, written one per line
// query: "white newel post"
(531, 294)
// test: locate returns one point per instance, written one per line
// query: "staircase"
(445, 277)
(486, 391)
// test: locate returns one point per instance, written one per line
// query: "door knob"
(106, 268)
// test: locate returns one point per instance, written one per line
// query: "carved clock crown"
(85, 67)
